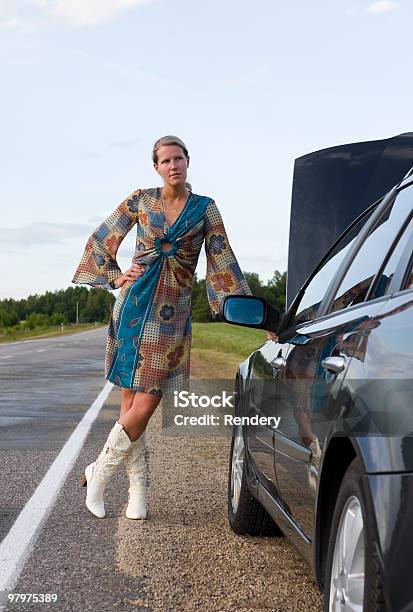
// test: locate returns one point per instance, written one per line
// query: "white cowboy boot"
(98, 473)
(135, 461)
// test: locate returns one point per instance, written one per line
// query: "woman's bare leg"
(127, 397)
(136, 418)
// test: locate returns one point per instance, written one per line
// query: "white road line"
(40, 350)
(7, 356)
(52, 338)
(19, 542)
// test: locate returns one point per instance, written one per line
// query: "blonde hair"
(170, 140)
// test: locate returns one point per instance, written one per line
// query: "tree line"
(88, 305)
(274, 292)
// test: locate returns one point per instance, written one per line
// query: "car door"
(262, 406)
(321, 350)
(379, 382)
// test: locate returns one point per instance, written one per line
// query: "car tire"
(352, 526)
(245, 514)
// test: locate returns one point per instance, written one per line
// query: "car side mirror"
(249, 311)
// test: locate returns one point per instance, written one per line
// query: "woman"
(149, 336)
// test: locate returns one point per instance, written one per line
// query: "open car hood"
(331, 188)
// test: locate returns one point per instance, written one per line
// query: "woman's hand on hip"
(131, 274)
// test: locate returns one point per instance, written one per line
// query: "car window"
(358, 278)
(383, 280)
(317, 287)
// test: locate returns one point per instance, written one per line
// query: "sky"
(87, 86)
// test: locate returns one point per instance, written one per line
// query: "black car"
(335, 473)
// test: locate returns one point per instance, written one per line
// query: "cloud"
(12, 22)
(382, 6)
(88, 12)
(90, 155)
(42, 233)
(352, 10)
(19, 14)
(124, 144)
(251, 76)
(95, 221)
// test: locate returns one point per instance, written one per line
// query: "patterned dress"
(149, 336)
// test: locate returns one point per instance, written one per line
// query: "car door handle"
(278, 363)
(334, 364)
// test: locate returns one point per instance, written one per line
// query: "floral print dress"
(149, 336)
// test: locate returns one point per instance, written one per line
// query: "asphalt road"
(184, 557)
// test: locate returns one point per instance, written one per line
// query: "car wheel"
(353, 580)
(245, 513)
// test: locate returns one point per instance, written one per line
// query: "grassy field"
(47, 332)
(218, 348)
(227, 338)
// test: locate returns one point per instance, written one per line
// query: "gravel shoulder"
(186, 553)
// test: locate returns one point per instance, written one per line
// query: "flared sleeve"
(223, 274)
(98, 266)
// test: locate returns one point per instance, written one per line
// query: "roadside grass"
(225, 338)
(219, 348)
(47, 332)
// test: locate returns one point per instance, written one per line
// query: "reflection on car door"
(267, 364)
(312, 378)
